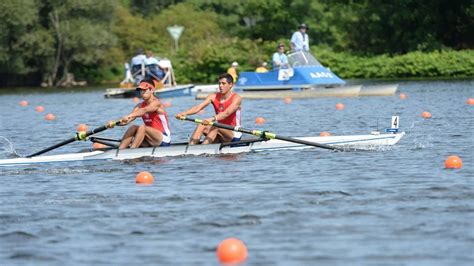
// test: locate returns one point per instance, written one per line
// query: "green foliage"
(17, 18)
(446, 63)
(356, 39)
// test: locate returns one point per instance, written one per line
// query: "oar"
(264, 134)
(79, 136)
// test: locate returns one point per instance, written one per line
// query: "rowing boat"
(371, 141)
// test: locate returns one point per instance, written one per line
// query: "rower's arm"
(195, 109)
(152, 107)
(127, 119)
(233, 107)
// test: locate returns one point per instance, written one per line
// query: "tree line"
(41, 41)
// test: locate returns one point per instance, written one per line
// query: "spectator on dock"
(137, 65)
(152, 68)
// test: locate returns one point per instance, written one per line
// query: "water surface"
(310, 207)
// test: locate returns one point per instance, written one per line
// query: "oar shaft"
(268, 135)
(52, 147)
(79, 136)
(309, 143)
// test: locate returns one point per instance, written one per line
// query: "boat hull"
(303, 77)
(359, 142)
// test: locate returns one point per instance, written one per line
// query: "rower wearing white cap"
(300, 39)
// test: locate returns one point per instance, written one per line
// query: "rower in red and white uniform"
(156, 130)
(227, 107)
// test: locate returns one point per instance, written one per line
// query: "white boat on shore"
(167, 87)
(358, 142)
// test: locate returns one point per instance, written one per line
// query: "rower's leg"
(153, 137)
(224, 135)
(139, 137)
(128, 136)
(198, 132)
(211, 135)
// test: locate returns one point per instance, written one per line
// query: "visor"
(145, 86)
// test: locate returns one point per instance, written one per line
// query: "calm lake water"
(311, 207)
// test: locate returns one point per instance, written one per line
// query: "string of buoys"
(23, 103)
(82, 127)
(403, 96)
(50, 117)
(260, 120)
(232, 250)
(426, 115)
(453, 162)
(39, 109)
(98, 146)
(470, 101)
(340, 106)
(144, 178)
(324, 134)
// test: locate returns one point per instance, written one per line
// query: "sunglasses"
(141, 91)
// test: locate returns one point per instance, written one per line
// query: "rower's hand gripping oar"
(79, 136)
(263, 134)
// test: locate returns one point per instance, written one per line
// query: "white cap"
(235, 63)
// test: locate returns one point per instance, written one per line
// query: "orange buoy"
(167, 104)
(287, 100)
(259, 120)
(470, 101)
(340, 106)
(50, 117)
(144, 178)
(403, 96)
(324, 134)
(23, 103)
(39, 109)
(426, 115)
(453, 162)
(136, 99)
(97, 146)
(232, 250)
(82, 127)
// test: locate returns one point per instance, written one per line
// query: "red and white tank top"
(233, 119)
(157, 121)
